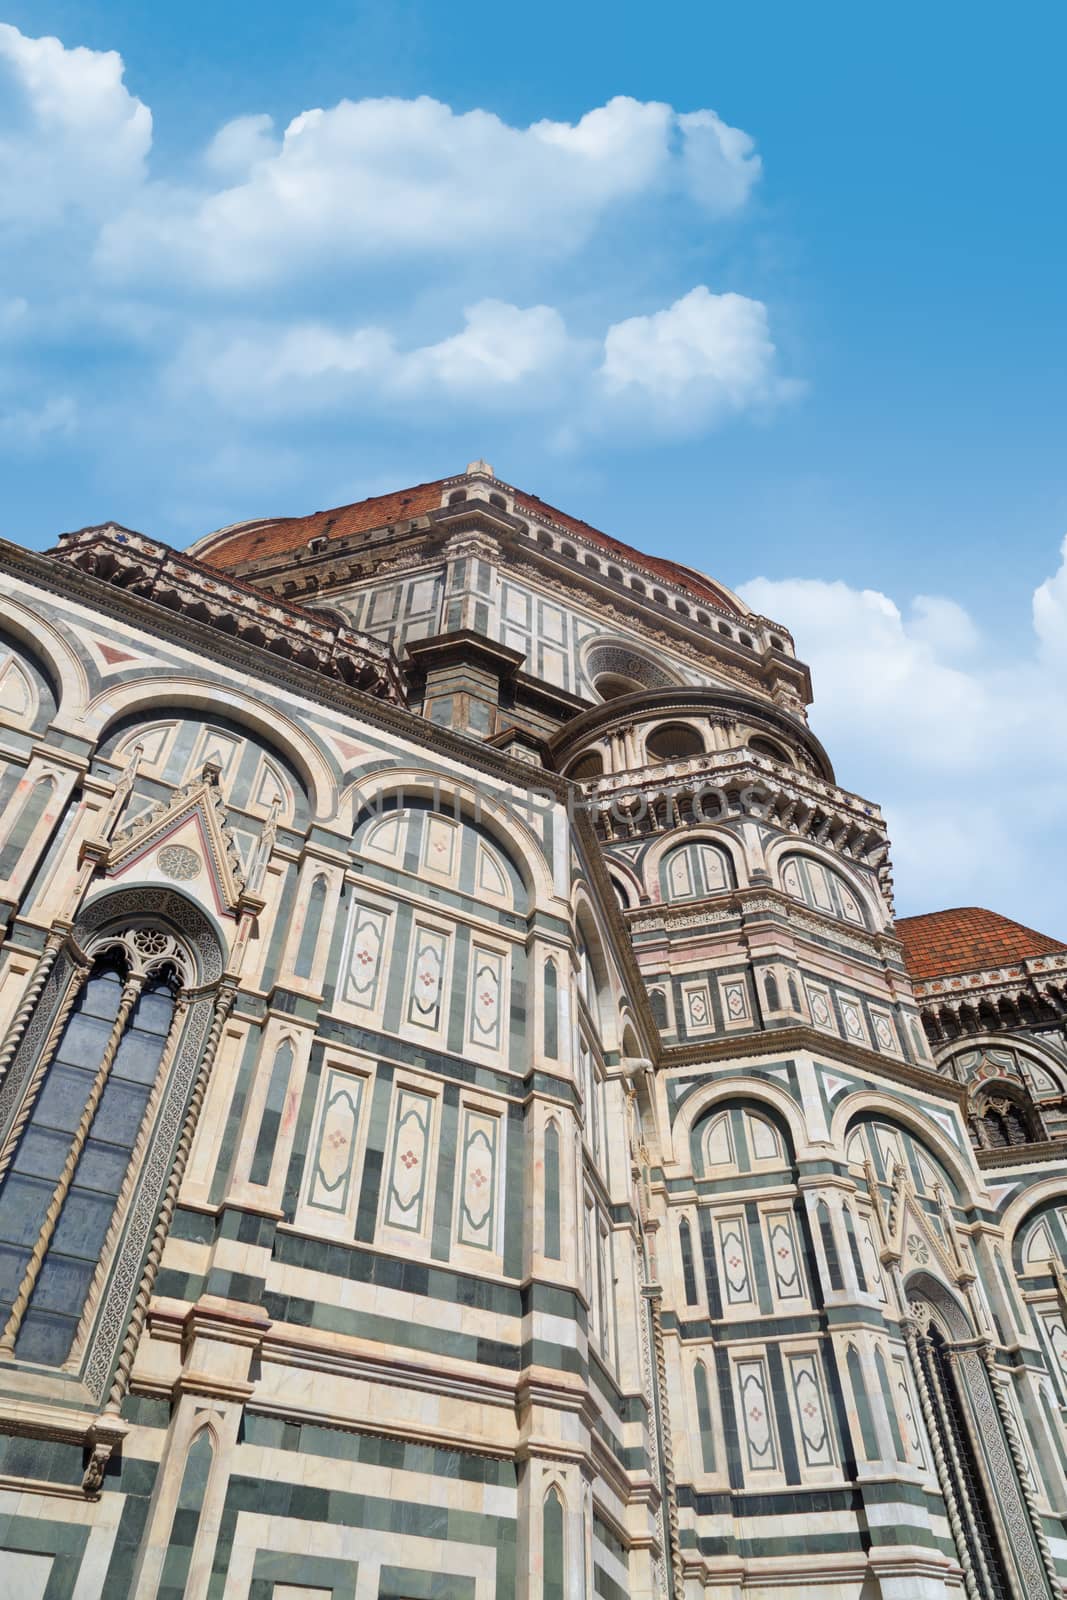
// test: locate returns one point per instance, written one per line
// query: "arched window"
(551, 1010)
(863, 1404)
(829, 1245)
(309, 938)
(622, 893)
(853, 1248)
(25, 824)
(774, 999)
(691, 871)
(767, 747)
(65, 1170)
(1001, 1121)
(821, 887)
(707, 1432)
(587, 767)
(689, 1277)
(553, 1564)
(498, 500)
(637, 586)
(552, 1194)
(187, 1512)
(674, 741)
(457, 497)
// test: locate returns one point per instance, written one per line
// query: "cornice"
(69, 583)
(786, 1041)
(699, 701)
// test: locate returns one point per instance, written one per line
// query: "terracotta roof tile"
(259, 540)
(967, 939)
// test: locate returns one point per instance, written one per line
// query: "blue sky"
(779, 289)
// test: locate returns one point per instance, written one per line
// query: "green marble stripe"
(396, 1050)
(334, 1577)
(374, 1155)
(302, 1135)
(408, 1583)
(393, 1010)
(220, 1179)
(513, 1185)
(185, 1525)
(406, 1334)
(457, 1008)
(447, 1154)
(396, 1272)
(270, 1120)
(371, 1513)
(366, 1449)
(273, 959)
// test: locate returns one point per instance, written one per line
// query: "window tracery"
(77, 1131)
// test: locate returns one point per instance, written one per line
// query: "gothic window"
(774, 999)
(685, 1244)
(552, 1547)
(691, 871)
(1001, 1121)
(70, 1142)
(829, 1245)
(821, 888)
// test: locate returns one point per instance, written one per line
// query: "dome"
(941, 944)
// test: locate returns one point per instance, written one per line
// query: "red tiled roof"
(259, 540)
(967, 939)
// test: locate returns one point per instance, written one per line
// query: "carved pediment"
(184, 839)
(913, 1241)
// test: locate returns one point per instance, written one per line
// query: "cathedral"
(471, 1127)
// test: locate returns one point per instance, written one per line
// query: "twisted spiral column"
(39, 977)
(957, 1466)
(48, 1050)
(944, 1477)
(1020, 1462)
(666, 1446)
(131, 990)
(121, 1381)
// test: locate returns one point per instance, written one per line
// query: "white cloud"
(366, 181)
(1050, 613)
(501, 349)
(239, 144)
(687, 365)
(962, 741)
(72, 137)
(682, 368)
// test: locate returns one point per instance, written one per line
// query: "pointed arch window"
(66, 1157)
(552, 1551)
(685, 1243)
